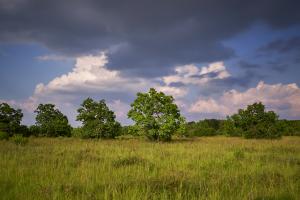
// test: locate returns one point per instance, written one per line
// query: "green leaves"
(255, 122)
(51, 122)
(98, 121)
(156, 115)
(10, 118)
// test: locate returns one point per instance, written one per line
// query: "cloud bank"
(282, 98)
(90, 77)
(141, 37)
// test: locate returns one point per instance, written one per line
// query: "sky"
(213, 56)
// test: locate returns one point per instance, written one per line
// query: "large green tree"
(10, 119)
(51, 122)
(156, 115)
(256, 122)
(98, 120)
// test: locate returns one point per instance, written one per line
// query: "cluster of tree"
(49, 122)
(10, 120)
(156, 116)
(252, 122)
(206, 127)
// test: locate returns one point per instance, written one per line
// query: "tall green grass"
(201, 168)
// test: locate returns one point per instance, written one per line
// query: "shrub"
(207, 127)
(19, 139)
(34, 130)
(229, 129)
(255, 122)
(3, 135)
(79, 133)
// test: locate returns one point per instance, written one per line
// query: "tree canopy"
(10, 119)
(156, 115)
(98, 120)
(255, 122)
(51, 121)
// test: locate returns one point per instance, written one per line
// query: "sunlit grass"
(201, 168)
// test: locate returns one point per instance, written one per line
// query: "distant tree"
(255, 122)
(156, 115)
(229, 129)
(98, 121)
(290, 127)
(51, 122)
(10, 119)
(206, 127)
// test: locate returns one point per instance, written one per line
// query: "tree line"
(156, 117)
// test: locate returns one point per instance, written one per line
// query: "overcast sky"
(213, 56)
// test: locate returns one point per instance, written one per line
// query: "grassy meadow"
(200, 168)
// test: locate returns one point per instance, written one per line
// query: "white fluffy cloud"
(91, 77)
(284, 99)
(191, 74)
(91, 74)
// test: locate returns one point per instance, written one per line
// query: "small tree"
(10, 119)
(51, 122)
(255, 122)
(156, 115)
(98, 121)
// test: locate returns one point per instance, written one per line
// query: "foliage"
(130, 130)
(18, 139)
(10, 119)
(290, 127)
(156, 115)
(51, 122)
(229, 128)
(207, 127)
(80, 133)
(34, 130)
(3, 135)
(98, 121)
(255, 122)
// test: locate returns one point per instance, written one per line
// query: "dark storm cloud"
(142, 37)
(282, 54)
(282, 45)
(247, 65)
(242, 81)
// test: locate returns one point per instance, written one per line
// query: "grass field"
(201, 168)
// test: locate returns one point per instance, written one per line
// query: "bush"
(19, 139)
(207, 127)
(229, 129)
(3, 135)
(79, 133)
(34, 130)
(290, 127)
(254, 122)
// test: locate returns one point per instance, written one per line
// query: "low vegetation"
(200, 168)
(52, 160)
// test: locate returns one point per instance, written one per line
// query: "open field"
(201, 168)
